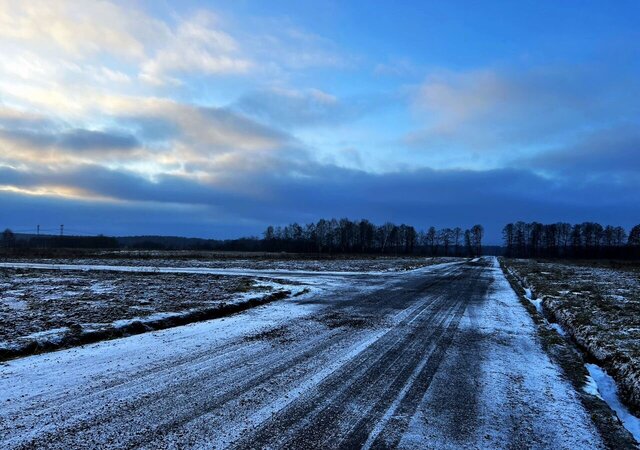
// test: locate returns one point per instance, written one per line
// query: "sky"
(216, 118)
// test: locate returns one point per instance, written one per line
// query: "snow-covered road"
(441, 357)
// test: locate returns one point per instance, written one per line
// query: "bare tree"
(619, 236)
(431, 240)
(477, 233)
(444, 236)
(634, 236)
(385, 233)
(508, 237)
(468, 245)
(457, 234)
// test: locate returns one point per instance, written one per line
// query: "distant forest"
(344, 236)
(325, 237)
(563, 240)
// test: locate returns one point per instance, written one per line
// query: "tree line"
(364, 237)
(344, 236)
(330, 237)
(564, 240)
(8, 239)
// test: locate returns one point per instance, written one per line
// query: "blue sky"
(214, 119)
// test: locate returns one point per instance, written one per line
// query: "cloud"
(58, 40)
(29, 137)
(499, 111)
(305, 191)
(67, 59)
(196, 133)
(85, 217)
(170, 156)
(108, 42)
(612, 152)
(154, 138)
(309, 107)
(88, 140)
(80, 30)
(193, 120)
(285, 48)
(18, 118)
(197, 45)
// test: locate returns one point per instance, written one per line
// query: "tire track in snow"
(314, 420)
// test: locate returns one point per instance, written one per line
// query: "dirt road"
(440, 357)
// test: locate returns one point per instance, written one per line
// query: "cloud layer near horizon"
(123, 121)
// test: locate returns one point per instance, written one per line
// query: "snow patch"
(198, 270)
(591, 387)
(14, 303)
(101, 288)
(150, 318)
(54, 335)
(558, 328)
(608, 391)
(535, 301)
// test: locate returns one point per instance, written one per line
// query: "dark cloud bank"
(178, 206)
(595, 177)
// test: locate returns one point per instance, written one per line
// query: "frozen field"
(44, 307)
(218, 261)
(50, 303)
(443, 357)
(599, 306)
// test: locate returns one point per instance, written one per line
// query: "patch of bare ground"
(581, 297)
(279, 335)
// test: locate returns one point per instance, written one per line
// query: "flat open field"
(51, 302)
(235, 260)
(444, 356)
(44, 306)
(598, 304)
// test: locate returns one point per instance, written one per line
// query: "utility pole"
(61, 230)
(38, 231)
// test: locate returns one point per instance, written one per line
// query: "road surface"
(440, 357)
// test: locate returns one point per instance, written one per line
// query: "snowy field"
(599, 306)
(242, 261)
(441, 357)
(49, 303)
(46, 306)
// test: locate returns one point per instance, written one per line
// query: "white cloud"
(50, 40)
(80, 29)
(86, 70)
(197, 45)
(52, 43)
(494, 114)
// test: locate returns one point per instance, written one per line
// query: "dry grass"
(598, 304)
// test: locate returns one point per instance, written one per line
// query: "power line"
(61, 230)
